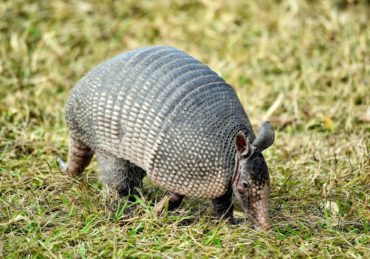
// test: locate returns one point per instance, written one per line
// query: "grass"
(304, 65)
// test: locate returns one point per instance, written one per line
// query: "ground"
(304, 65)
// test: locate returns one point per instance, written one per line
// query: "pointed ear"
(241, 142)
(266, 136)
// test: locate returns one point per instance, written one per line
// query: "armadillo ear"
(241, 142)
(266, 136)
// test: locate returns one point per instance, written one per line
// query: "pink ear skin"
(242, 146)
(241, 142)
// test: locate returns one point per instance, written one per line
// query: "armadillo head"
(251, 178)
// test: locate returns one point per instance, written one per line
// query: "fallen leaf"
(329, 124)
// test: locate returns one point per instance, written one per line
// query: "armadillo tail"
(62, 165)
(79, 156)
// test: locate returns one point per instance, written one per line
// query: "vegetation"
(304, 65)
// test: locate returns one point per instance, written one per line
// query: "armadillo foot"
(111, 198)
(171, 200)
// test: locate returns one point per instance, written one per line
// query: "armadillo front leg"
(223, 206)
(79, 156)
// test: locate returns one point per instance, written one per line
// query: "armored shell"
(164, 111)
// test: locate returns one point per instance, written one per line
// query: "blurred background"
(304, 65)
(306, 57)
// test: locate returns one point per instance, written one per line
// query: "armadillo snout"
(259, 207)
(262, 222)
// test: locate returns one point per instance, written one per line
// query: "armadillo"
(159, 112)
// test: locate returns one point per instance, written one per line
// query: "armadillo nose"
(262, 224)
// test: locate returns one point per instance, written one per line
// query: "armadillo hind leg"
(223, 206)
(119, 173)
(174, 201)
(79, 156)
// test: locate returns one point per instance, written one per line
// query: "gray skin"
(159, 112)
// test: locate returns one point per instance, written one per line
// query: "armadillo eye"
(246, 185)
(246, 155)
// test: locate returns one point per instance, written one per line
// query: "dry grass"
(304, 65)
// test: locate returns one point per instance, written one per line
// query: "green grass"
(303, 65)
